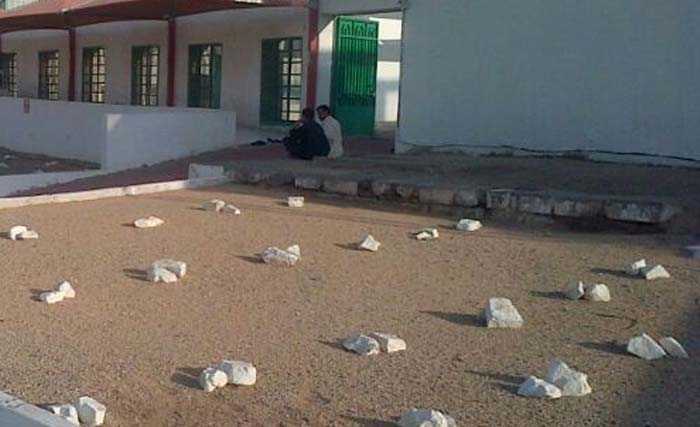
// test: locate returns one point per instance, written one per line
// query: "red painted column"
(312, 69)
(71, 64)
(170, 102)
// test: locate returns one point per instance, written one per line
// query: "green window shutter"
(215, 77)
(193, 90)
(136, 62)
(269, 83)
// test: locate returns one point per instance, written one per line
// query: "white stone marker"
(597, 293)
(276, 256)
(362, 344)
(425, 418)
(569, 381)
(427, 234)
(67, 412)
(635, 269)
(575, 292)
(295, 202)
(232, 210)
(655, 272)
(469, 225)
(501, 313)
(212, 378)
(178, 268)
(20, 232)
(238, 373)
(369, 243)
(295, 250)
(159, 274)
(91, 412)
(535, 387)
(52, 297)
(645, 347)
(389, 343)
(65, 287)
(673, 348)
(150, 222)
(215, 205)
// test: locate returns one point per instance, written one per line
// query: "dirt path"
(137, 347)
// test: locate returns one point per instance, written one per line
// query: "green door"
(204, 80)
(354, 85)
(280, 80)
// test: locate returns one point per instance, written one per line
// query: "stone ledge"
(16, 413)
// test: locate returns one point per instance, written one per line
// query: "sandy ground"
(137, 346)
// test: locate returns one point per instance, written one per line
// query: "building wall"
(621, 76)
(355, 7)
(240, 32)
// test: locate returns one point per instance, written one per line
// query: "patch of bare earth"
(138, 347)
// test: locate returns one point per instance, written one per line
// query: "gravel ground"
(137, 347)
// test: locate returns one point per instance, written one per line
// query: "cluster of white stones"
(426, 418)
(559, 381)
(649, 272)
(217, 205)
(166, 271)
(469, 225)
(150, 222)
(61, 291)
(86, 410)
(276, 256)
(21, 232)
(369, 243)
(501, 313)
(595, 293)
(295, 202)
(228, 372)
(368, 345)
(427, 234)
(645, 347)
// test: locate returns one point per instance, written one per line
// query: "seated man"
(307, 140)
(334, 133)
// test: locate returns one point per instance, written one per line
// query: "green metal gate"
(354, 87)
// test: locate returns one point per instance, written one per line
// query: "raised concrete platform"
(16, 413)
(562, 188)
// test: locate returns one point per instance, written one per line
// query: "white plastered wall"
(619, 76)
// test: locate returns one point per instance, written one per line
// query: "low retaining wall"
(10, 184)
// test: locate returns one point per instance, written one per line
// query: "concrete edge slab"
(106, 193)
(17, 413)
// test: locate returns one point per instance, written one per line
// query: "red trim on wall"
(71, 64)
(172, 28)
(312, 70)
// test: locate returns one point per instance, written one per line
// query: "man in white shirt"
(334, 133)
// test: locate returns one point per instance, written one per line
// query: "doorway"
(280, 91)
(204, 80)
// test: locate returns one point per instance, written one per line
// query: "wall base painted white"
(11, 184)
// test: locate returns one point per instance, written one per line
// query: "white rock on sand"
(20, 232)
(469, 225)
(501, 313)
(636, 267)
(389, 343)
(425, 418)
(65, 287)
(150, 222)
(238, 372)
(369, 243)
(276, 256)
(645, 347)
(538, 388)
(215, 205)
(362, 344)
(65, 411)
(159, 274)
(212, 378)
(295, 202)
(52, 297)
(673, 348)
(178, 268)
(232, 210)
(569, 381)
(427, 234)
(91, 412)
(598, 293)
(655, 272)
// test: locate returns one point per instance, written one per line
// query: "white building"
(548, 75)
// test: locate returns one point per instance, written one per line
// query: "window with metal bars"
(94, 75)
(8, 74)
(290, 63)
(48, 75)
(145, 61)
